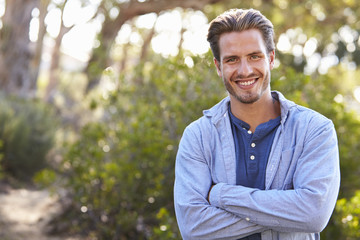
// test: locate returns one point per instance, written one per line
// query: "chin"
(246, 99)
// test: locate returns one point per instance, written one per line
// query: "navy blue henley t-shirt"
(252, 152)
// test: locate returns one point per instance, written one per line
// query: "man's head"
(237, 20)
(243, 47)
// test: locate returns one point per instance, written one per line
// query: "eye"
(254, 57)
(231, 60)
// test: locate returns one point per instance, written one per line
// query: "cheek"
(229, 71)
(264, 67)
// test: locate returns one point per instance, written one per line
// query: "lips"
(248, 83)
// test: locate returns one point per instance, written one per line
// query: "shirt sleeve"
(197, 219)
(305, 208)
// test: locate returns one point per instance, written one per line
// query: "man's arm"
(307, 207)
(197, 219)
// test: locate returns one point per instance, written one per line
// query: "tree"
(15, 52)
(127, 156)
(120, 171)
(332, 25)
(36, 60)
(55, 70)
(111, 26)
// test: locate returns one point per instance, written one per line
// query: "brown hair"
(239, 20)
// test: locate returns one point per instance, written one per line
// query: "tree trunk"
(100, 56)
(15, 52)
(36, 61)
(54, 72)
(146, 44)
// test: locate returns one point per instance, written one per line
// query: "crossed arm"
(223, 211)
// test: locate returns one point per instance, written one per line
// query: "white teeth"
(246, 83)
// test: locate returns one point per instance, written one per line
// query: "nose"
(244, 68)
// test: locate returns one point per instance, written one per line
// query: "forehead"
(241, 43)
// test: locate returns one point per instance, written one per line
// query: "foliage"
(320, 94)
(27, 131)
(121, 171)
(349, 216)
(332, 25)
(2, 175)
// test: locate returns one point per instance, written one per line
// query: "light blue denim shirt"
(301, 184)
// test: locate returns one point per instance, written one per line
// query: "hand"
(208, 196)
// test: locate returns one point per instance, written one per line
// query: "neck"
(261, 111)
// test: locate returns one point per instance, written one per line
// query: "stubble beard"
(248, 97)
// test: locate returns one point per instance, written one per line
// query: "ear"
(218, 67)
(272, 59)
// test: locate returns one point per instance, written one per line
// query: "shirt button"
(247, 219)
(252, 157)
(253, 145)
(249, 132)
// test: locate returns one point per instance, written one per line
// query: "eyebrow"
(258, 52)
(230, 56)
(255, 52)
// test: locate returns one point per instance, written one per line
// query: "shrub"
(27, 134)
(348, 212)
(121, 170)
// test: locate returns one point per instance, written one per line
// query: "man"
(255, 166)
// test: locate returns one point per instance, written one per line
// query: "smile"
(247, 83)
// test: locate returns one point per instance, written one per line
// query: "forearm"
(199, 220)
(306, 207)
(196, 218)
(284, 211)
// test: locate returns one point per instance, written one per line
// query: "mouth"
(246, 83)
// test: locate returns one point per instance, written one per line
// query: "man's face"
(245, 65)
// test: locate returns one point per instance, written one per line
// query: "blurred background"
(94, 97)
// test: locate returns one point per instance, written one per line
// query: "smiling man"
(256, 165)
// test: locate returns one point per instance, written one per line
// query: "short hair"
(237, 20)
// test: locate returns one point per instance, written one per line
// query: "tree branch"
(135, 8)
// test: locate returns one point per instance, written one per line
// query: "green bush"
(348, 212)
(27, 130)
(319, 94)
(121, 170)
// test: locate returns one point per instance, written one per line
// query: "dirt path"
(24, 214)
